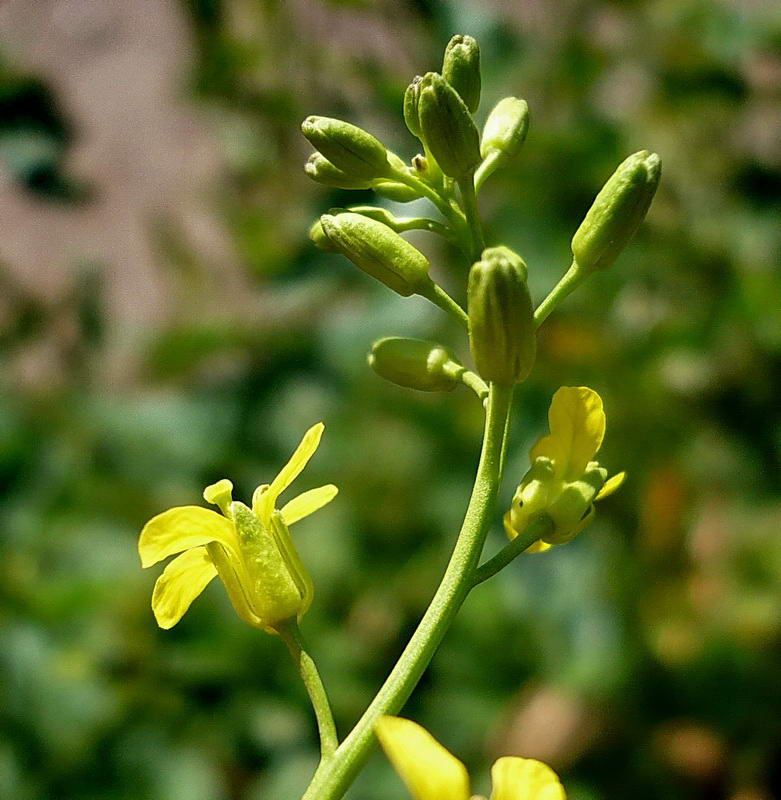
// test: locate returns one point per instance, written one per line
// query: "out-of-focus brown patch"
(662, 505)
(549, 724)
(691, 748)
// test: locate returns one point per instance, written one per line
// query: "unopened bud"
(447, 127)
(321, 170)
(501, 317)
(320, 240)
(505, 129)
(411, 98)
(415, 364)
(348, 147)
(461, 69)
(378, 251)
(617, 211)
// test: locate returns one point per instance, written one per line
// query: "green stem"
(334, 776)
(510, 551)
(571, 279)
(487, 168)
(291, 635)
(426, 224)
(469, 199)
(440, 298)
(453, 215)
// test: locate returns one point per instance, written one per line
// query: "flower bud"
(411, 98)
(347, 147)
(501, 317)
(415, 364)
(447, 127)
(321, 170)
(378, 251)
(617, 211)
(461, 69)
(320, 240)
(395, 191)
(505, 129)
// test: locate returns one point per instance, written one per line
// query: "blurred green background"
(165, 323)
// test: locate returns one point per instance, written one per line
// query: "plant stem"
(469, 199)
(334, 776)
(291, 635)
(510, 551)
(571, 279)
(440, 298)
(455, 217)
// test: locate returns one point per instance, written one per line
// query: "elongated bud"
(415, 364)
(378, 251)
(501, 317)
(348, 147)
(447, 127)
(411, 98)
(505, 129)
(320, 240)
(394, 190)
(461, 69)
(321, 170)
(617, 211)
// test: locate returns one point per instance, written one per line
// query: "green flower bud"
(461, 69)
(617, 211)
(415, 364)
(396, 191)
(347, 147)
(378, 251)
(411, 98)
(505, 129)
(321, 170)
(320, 240)
(501, 317)
(447, 127)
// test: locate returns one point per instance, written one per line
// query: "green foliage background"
(643, 659)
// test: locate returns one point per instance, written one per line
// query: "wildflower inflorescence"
(251, 548)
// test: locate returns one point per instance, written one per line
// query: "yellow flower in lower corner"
(564, 481)
(432, 773)
(250, 549)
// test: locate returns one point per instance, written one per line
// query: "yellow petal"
(181, 582)
(429, 771)
(180, 529)
(307, 503)
(611, 485)
(577, 427)
(539, 547)
(524, 779)
(290, 471)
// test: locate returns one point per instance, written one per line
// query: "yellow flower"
(564, 481)
(250, 549)
(432, 773)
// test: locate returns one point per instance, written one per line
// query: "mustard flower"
(432, 773)
(249, 548)
(564, 481)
